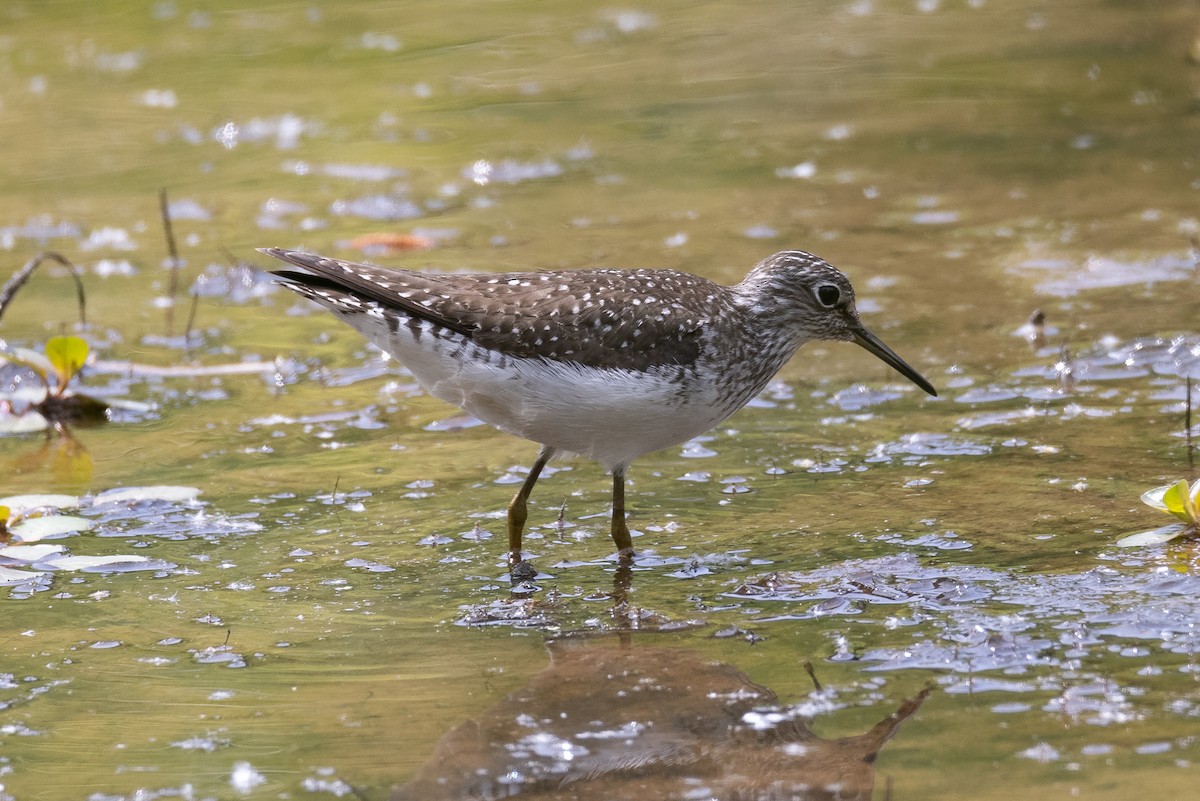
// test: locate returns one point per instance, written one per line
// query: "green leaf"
(68, 355)
(1178, 500)
(1174, 499)
(5, 514)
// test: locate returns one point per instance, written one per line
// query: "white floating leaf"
(9, 577)
(50, 527)
(154, 493)
(28, 358)
(1154, 497)
(1153, 537)
(26, 423)
(24, 395)
(85, 562)
(29, 553)
(130, 405)
(19, 504)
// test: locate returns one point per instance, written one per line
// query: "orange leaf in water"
(390, 242)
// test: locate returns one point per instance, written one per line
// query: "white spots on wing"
(648, 317)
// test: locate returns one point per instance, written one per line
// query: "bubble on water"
(1069, 277)
(375, 567)
(988, 394)
(510, 171)
(916, 447)
(377, 207)
(1042, 752)
(245, 778)
(695, 449)
(805, 169)
(860, 396)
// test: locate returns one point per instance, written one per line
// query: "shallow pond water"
(286, 577)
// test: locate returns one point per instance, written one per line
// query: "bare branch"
(9, 290)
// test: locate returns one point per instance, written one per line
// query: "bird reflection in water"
(609, 719)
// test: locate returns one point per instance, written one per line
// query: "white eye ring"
(827, 295)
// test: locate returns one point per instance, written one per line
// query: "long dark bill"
(872, 343)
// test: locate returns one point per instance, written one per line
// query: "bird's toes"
(522, 571)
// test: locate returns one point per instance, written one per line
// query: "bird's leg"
(518, 509)
(620, 531)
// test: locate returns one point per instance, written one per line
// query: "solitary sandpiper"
(609, 364)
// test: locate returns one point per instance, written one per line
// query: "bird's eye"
(828, 295)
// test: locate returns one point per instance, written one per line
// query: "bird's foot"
(522, 571)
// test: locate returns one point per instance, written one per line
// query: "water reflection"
(610, 718)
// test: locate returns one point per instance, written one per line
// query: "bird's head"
(808, 298)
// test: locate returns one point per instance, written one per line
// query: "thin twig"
(172, 255)
(9, 290)
(1187, 428)
(812, 674)
(187, 329)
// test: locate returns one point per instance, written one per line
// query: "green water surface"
(320, 621)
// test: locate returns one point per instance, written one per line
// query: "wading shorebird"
(609, 364)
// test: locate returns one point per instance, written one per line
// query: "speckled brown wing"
(595, 318)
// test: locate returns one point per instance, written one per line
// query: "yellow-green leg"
(620, 531)
(518, 509)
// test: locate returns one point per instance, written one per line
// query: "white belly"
(611, 416)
